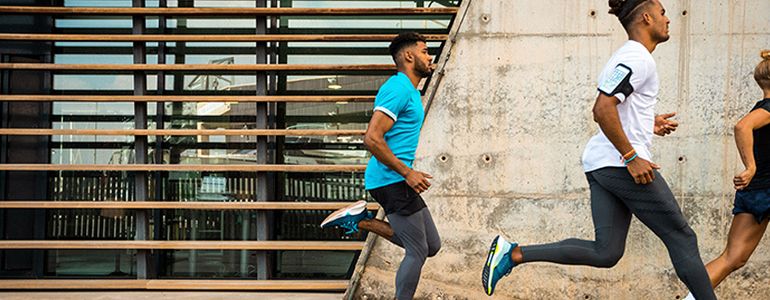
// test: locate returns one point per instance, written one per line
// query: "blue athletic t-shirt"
(400, 101)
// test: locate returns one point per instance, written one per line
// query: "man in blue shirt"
(392, 138)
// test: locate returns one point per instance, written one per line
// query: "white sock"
(689, 297)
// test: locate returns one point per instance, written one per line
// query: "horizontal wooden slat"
(180, 132)
(185, 168)
(157, 284)
(180, 98)
(64, 284)
(191, 205)
(182, 245)
(209, 38)
(195, 67)
(229, 11)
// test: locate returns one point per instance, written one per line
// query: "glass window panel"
(91, 263)
(98, 3)
(314, 264)
(94, 23)
(180, 264)
(92, 82)
(336, 83)
(403, 24)
(92, 156)
(66, 82)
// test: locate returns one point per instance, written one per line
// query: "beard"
(422, 69)
(662, 37)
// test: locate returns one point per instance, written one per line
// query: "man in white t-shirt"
(619, 168)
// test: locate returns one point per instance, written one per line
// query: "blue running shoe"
(498, 264)
(347, 217)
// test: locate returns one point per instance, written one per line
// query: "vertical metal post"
(5, 86)
(177, 109)
(160, 114)
(43, 154)
(263, 230)
(140, 144)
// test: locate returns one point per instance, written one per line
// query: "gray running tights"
(614, 198)
(417, 234)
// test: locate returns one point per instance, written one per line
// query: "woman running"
(752, 199)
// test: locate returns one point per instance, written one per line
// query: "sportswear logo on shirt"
(618, 82)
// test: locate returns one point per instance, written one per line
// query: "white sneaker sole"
(353, 209)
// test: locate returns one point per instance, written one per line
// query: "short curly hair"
(404, 40)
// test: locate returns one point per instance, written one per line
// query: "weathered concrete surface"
(518, 89)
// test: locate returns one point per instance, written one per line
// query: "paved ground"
(163, 296)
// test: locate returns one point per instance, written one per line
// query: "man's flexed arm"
(606, 114)
(374, 140)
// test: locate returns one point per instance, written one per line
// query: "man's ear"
(647, 18)
(408, 55)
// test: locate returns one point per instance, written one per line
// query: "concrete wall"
(518, 91)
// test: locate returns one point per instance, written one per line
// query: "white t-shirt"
(637, 111)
